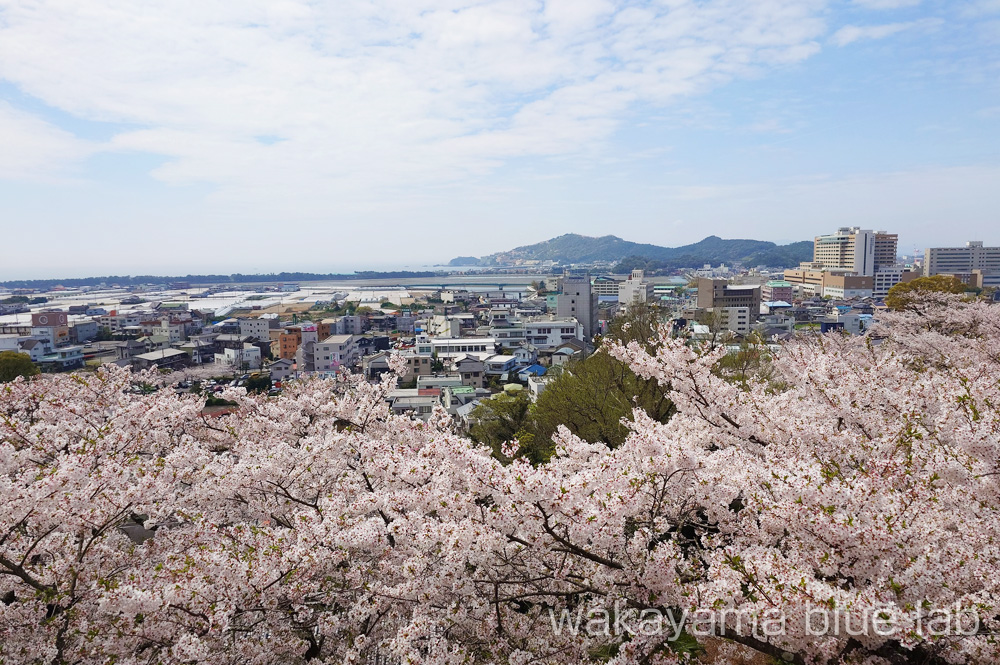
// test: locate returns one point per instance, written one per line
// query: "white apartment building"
(452, 347)
(172, 330)
(733, 319)
(334, 352)
(634, 290)
(257, 328)
(241, 360)
(545, 334)
(444, 326)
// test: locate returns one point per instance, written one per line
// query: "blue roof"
(777, 303)
(537, 370)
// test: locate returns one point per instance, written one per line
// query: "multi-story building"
(578, 301)
(846, 287)
(292, 337)
(82, 331)
(452, 347)
(887, 277)
(734, 319)
(963, 262)
(175, 331)
(342, 325)
(777, 290)
(548, 333)
(334, 352)
(859, 250)
(240, 360)
(716, 293)
(635, 290)
(605, 286)
(257, 328)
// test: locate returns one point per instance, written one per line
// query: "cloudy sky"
(198, 135)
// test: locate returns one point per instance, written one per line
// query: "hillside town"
(463, 344)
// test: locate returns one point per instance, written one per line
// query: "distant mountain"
(574, 248)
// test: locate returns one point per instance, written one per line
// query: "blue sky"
(284, 135)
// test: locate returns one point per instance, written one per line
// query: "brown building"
(834, 283)
(714, 293)
(289, 341)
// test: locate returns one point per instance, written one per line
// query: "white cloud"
(886, 4)
(853, 33)
(366, 97)
(33, 149)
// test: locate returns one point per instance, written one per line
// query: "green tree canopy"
(503, 418)
(905, 294)
(14, 364)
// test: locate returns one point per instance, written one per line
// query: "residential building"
(256, 328)
(82, 331)
(499, 364)
(547, 333)
(164, 358)
(635, 290)
(281, 369)
(240, 360)
(173, 330)
(733, 319)
(419, 402)
(335, 352)
(342, 325)
(578, 301)
(471, 369)
(445, 347)
(35, 348)
(375, 365)
(439, 381)
(62, 359)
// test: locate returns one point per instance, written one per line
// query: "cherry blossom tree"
(856, 486)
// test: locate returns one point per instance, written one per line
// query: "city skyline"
(203, 138)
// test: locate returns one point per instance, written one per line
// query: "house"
(416, 365)
(129, 349)
(281, 369)
(439, 380)
(526, 354)
(200, 350)
(565, 354)
(471, 369)
(163, 358)
(240, 360)
(418, 402)
(455, 397)
(375, 365)
(537, 385)
(63, 359)
(498, 365)
(529, 371)
(444, 347)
